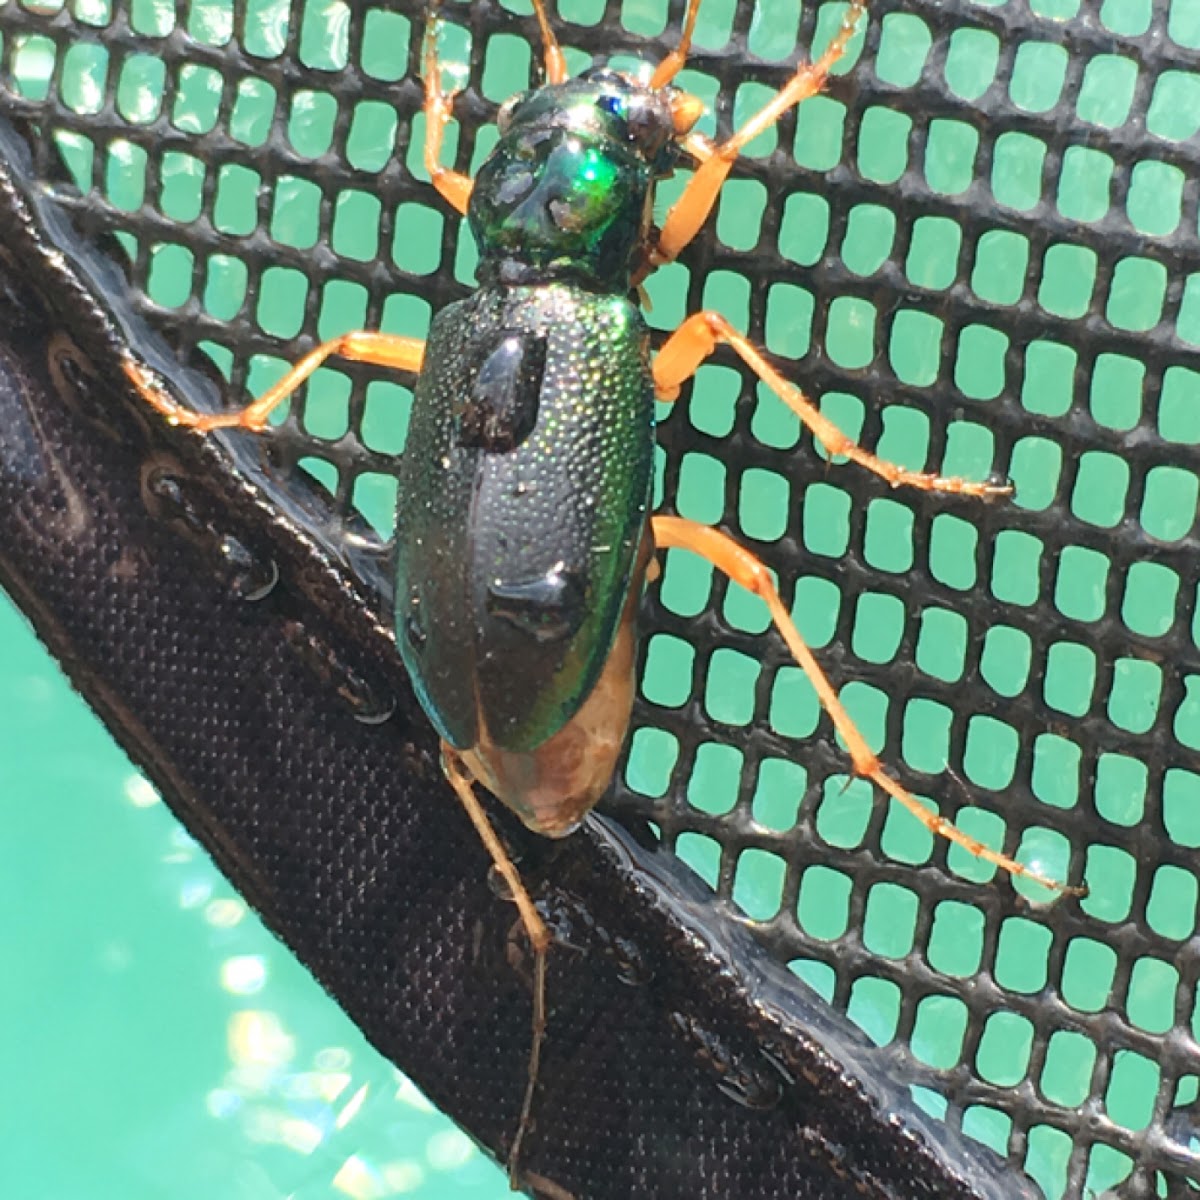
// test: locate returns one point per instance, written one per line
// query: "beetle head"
(568, 191)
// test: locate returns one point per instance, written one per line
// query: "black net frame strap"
(666, 1073)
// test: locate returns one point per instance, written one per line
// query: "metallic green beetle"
(525, 486)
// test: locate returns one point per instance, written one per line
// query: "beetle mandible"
(523, 526)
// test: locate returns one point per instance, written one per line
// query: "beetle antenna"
(552, 55)
(675, 61)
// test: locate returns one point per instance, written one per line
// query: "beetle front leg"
(696, 339)
(691, 210)
(751, 573)
(539, 936)
(379, 349)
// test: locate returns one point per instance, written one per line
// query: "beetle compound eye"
(613, 105)
(685, 110)
(504, 116)
(651, 125)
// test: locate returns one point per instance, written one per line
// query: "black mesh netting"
(980, 249)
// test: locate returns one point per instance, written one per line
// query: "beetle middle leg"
(695, 340)
(750, 572)
(535, 928)
(378, 349)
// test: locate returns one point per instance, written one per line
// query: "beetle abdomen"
(523, 496)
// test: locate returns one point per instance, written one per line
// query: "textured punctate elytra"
(522, 546)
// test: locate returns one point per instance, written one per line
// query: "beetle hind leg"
(696, 339)
(747, 570)
(535, 928)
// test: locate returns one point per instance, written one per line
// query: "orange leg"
(535, 928)
(691, 210)
(697, 338)
(552, 55)
(453, 186)
(744, 568)
(674, 62)
(379, 349)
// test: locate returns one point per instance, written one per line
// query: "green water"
(159, 1042)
